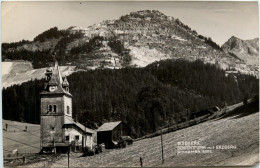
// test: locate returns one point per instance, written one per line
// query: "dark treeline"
(42, 59)
(210, 42)
(6, 46)
(96, 42)
(22, 102)
(39, 59)
(145, 99)
(50, 34)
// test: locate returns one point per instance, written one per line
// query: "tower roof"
(56, 73)
(56, 80)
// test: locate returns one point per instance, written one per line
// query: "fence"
(23, 159)
(175, 127)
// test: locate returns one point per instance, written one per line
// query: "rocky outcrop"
(246, 50)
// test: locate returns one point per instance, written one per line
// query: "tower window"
(68, 109)
(77, 137)
(54, 108)
(67, 138)
(50, 108)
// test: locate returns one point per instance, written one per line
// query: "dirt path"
(240, 132)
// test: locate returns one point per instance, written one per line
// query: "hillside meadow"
(237, 130)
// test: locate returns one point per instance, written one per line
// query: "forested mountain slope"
(162, 93)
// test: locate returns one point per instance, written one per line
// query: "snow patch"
(16, 67)
(202, 47)
(178, 38)
(18, 78)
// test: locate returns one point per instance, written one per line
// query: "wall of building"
(105, 137)
(119, 131)
(51, 122)
(67, 102)
(51, 129)
(72, 133)
(47, 100)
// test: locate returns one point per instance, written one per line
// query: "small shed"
(110, 133)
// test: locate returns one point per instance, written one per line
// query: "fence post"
(141, 161)
(68, 156)
(162, 147)
(24, 160)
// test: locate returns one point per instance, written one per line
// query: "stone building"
(58, 129)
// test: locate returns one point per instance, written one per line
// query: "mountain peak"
(148, 12)
(147, 15)
(246, 50)
(233, 38)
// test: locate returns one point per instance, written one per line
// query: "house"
(77, 135)
(58, 129)
(110, 133)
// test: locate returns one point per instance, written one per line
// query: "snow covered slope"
(21, 71)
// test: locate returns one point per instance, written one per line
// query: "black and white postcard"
(130, 84)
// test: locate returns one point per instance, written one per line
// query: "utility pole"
(162, 147)
(68, 155)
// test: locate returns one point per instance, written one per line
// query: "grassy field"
(238, 130)
(28, 141)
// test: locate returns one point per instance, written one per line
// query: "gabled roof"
(108, 126)
(70, 121)
(126, 138)
(65, 82)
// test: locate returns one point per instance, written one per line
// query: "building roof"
(108, 126)
(70, 121)
(126, 138)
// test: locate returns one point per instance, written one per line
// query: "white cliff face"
(142, 56)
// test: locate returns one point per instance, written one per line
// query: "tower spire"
(57, 74)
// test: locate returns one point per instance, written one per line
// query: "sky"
(218, 20)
